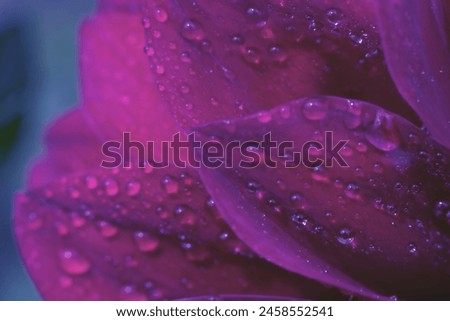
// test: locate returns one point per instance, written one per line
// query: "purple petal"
(84, 152)
(222, 59)
(415, 38)
(377, 227)
(115, 79)
(140, 234)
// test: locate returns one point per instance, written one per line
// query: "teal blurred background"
(38, 82)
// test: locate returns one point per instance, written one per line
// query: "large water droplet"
(161, 15)
(111, 187)
(133, 188)
(383, 133)
(334, 16)
(278, 54)
(192, 30)
(73, 263)
(91, 182)
(314, 109)
(145, 242)
(170, 184)
(345, 236)
(107, 229)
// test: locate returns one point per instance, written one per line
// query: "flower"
(234, 70)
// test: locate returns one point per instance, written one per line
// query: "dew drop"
(184, 89)
(149, 51)
(352, 191)
(160, 70)
(192, 30)
(345, 236)
(111, 187)
(252, 55)
(170, 184)
(145, 242)
(412, 248)
(334, 16)
(146, 22)
(107, 229)
(264, 117)
(73, 263)
(185, 57)
(442, 211)
(237, 39)
(161, 15)
(133, 188)
(383, 134)
(278, 54)
(91, 182)
(314, 109)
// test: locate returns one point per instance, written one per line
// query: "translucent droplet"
(185, 57)
(383, 133)
(334, 16)
(442, 211)
(237, 39)
(146, 22)
(107, 229)
(346, 236)
(161, 15)
(111, 187)
(149, 50)
(133, 188)
(412, 248)
(91, 182)
(170, 184)
(264, 117)
(278, 54)
(73, 263)
(184, 89)
(252, 55)
(314, 109)
(160, 70)
(145, 242)
(192, 30)
(352, 191)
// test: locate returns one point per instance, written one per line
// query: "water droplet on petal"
(278, 54)
(192, 30)
(314, 109)
(111, 187)
(107, 229)
(73, 263)
(91, 182)
(346, 236)
(133, 188)
(383, 134)
(170, 184)
(334, 16)
(252, 55)
(145, 242)
(161, 15)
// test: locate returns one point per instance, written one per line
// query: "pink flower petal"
(377, 227)
(125, 235)
(222, 59)
(416, 39)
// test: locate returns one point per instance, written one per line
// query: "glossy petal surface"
(214, 60)
(416, 40)
(140, 234)
(377, 227)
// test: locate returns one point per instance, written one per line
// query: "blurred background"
(38, 82)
